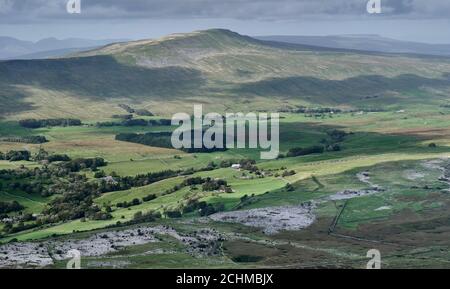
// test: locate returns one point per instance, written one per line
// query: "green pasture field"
(388, 144)
(394, 110)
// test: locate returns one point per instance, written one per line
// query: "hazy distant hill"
(221, 69)
(365, 43)
(11, 48)
(53, 53)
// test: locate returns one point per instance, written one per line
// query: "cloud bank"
(29, 11)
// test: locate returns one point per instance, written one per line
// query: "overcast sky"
(417, 20)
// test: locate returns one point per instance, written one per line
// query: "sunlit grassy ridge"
(169, 74)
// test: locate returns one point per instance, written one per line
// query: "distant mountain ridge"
(220, 69)
(12, 48)
(364, 42)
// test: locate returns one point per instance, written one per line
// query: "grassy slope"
(204, 66)
(382, 142)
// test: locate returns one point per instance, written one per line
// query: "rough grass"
(240, 75)
(220, 69)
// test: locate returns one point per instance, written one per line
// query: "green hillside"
(364, 158)
(206, 65)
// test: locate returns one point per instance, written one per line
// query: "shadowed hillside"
(214, 64)
(352, 90)
(99, 77)
(365, 42)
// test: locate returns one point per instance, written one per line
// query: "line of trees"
(15, 156)
(203, 208)
(81, 164)
(303, 109)
(295, 152)
(136, 122)
(41, 155)
(32, 139)
(161, 139)
(8, 207)
(155, 139)
(331, 143)
(141, 112)
(38, 123)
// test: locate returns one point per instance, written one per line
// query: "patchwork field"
(364, 158)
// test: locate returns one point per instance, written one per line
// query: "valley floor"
(386, 188)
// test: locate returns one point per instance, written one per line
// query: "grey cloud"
(48, 10)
